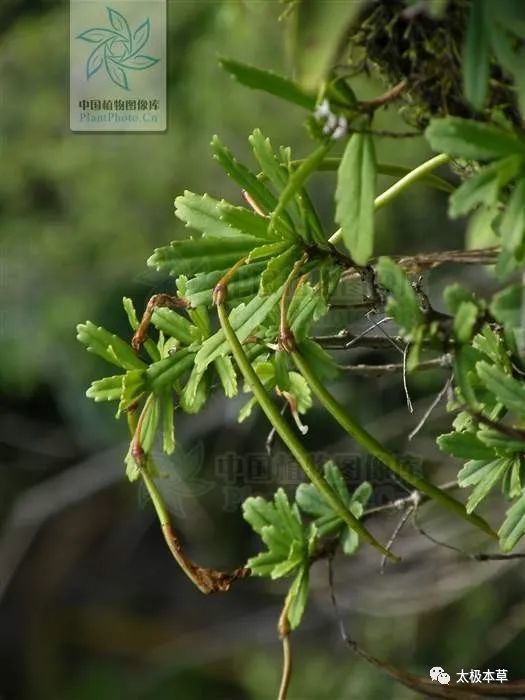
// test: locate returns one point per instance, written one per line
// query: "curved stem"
(206, 580)
(171, 540)
(287, 668)
(375, 448)
(332, 163)
(401, 185)
(283, 628)
(289, 438)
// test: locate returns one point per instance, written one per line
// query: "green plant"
(269, 271)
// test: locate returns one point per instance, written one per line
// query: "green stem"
(289, 437)
(400, 186)
(331, 164)
(375, 448)
(206, 580)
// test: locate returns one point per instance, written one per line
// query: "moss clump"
(427, 52)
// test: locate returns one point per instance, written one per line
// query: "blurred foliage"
(70, 205)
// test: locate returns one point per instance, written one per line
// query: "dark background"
(91, 604)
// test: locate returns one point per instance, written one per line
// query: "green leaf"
(297, 598)
(485, 486)
(306, 307)
(465, 138)
(503, 444)
(455, 294)
(243, 177)
(475, 471)
(265, 156)
(129, 308)
(227, 375)
(110, 347)
(173, 324)
(300, 390)
(513, 527)
(269, 82)
(278, 270)
(476, 55)
(465, 445)
(244, 319)
(195, 393)
(132, 469)
(491, 344)
(191, 256)
(163, 374)
(168, 422)
(150, 421)
(481, 231)
(509, 391)
(279, 525)
(403, 305)
(321, 362)
(465, 321)
(133, 387)
(512, 225)
(508, 306)
(203, 213)
(514, 479)
(107, 389)
(245, 283)
(268, 250)
(355, 192)
(326, 520)
(484, 187)
(463, 374)
(248, 222)
(297, 179)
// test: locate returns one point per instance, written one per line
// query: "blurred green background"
(91, 604)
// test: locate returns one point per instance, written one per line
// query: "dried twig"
(432, 406)
(424, 261)
(391, 367)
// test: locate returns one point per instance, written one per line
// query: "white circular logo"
(438, 674)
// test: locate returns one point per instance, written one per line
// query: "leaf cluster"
(295, 533)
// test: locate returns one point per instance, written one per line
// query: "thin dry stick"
(405, 385)
(391, 367)
(475, 556)
(423, 261)
(404, 518)
(157, 301)
(389, 337)
(340, 341)
(375, 324)
(432, 406)
(385, 98)
(401, 503)
(420, 684)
